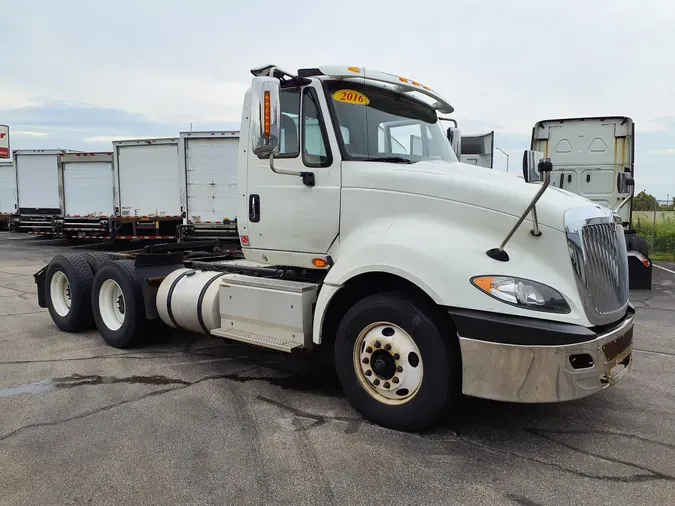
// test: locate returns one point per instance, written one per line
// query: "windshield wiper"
(391, 159)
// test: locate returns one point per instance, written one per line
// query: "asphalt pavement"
(195, 420)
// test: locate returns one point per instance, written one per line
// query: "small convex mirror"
(625, 182)
(455, 138)
(531, 161)
(265, 116)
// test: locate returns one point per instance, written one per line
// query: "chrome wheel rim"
(388, 363)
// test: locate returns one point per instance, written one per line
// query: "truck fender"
(443, 269)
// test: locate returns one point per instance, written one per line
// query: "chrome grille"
(605, 266)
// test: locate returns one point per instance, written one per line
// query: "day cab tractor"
(361, 233)
(595, 157)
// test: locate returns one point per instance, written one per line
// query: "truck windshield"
(377, 124)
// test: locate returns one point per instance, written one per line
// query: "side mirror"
(624, 182)
(531, 161)
(265, 116)
(455, 138)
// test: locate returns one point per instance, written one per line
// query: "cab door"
(284, 213)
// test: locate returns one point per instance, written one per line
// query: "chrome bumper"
(533, 373)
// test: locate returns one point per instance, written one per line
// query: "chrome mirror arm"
(498, 253)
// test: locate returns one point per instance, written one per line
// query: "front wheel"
(397, 364)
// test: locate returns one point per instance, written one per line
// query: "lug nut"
(386, 384)
(387, 347)
(399, 369)
(365, 360)
(395, 380)
(396, 356)
(369, 372)
(369, 349)
(378, 344)
(376, 382)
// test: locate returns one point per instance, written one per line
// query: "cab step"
(256, 339)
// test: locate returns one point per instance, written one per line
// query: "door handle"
(254, 208)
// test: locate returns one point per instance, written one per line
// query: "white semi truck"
(426, 277)
(8, 205)
(595, 157)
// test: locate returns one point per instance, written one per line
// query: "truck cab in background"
(594, 157)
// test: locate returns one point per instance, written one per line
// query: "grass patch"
(661, 238)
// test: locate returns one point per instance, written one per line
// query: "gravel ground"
(195, 420)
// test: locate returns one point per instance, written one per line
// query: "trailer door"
(149, 179)
(7, 188)
(38, 180)
(211, 166)
(88, 188)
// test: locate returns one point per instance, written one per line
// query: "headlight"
(522, 293)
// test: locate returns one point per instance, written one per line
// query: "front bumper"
(525, 360)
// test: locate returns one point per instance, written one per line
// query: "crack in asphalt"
(21, 314)
(621, 479)
(654, 475)
(353, 423)
(522, 500)
(665, 353)
(103, 409)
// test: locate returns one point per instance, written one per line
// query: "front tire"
(117, 303)
(397, 363)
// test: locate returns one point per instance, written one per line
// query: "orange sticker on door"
(350, 97)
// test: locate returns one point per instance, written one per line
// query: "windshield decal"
(350, 97)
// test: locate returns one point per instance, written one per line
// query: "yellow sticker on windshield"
(350, 97)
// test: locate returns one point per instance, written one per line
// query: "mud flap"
(639, 271)
(39, 277)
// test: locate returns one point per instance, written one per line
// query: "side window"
(315, 151)
(290, 114)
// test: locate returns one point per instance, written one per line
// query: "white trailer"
(208, 165)
(88, 195)
(148, 196)
(39, 179)
(8, 205)
(426, 277)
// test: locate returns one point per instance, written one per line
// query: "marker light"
(320, 263)
(268, 115)
(522, 293)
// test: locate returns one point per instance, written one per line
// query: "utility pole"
(507, 157)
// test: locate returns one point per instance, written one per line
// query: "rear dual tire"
(117, 304)
(68, 284)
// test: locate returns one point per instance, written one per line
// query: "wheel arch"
(335, 300)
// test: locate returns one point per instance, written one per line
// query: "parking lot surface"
(196, 420)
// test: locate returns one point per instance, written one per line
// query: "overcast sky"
(77, 74)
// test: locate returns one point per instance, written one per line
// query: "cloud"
(667, 151)
(28, 133)
(106, 138)
(504, 66)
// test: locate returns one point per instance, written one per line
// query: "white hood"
(461, 182)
